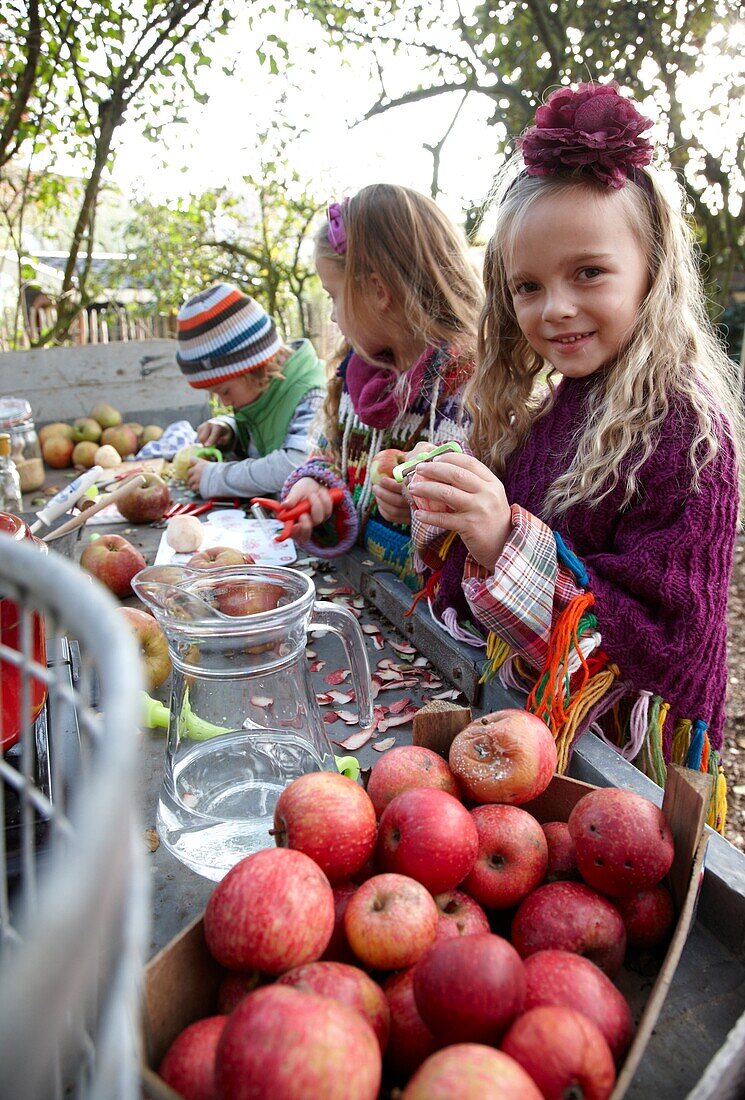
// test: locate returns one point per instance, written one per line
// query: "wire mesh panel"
(72, 902)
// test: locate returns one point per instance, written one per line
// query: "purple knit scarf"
(373, 388)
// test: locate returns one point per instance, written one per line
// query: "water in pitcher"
(217, 806)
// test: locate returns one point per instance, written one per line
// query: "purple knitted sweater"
(659, 568)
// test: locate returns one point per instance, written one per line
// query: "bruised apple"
(512, 856)
(570, 916)
(288, 1043)
(146, 500)
(471, 1071)
(383, 463)
(623, 841)
(349, 985)
(508, 756)
(113, 561)
(563, 1052)
(189, 1063)
(214, 557)
(153, 645)
(408, 766)
(330, 818)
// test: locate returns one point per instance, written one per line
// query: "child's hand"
(392, 504)
(462, 494)
(194, 473)
(321, 506)
(214, 434)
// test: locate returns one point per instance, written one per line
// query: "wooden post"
(436, 724)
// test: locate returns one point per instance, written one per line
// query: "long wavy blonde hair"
(673, 349)
(422, 259)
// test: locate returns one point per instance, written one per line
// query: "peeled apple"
(107, 457)
(184, 534)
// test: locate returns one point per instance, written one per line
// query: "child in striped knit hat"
(595, 540)
(227, 344)
(406, 298)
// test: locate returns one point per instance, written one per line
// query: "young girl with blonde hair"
(407, 299)
(593, 536)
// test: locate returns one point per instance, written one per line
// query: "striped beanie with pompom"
(223, 333)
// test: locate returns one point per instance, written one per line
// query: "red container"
(10, 634)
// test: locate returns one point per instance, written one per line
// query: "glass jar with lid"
(16, 418)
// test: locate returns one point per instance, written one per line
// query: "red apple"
(470, 989)
(272, 911)
(408, 766)
(511, 859)
(390, 922)
(648, 916)
(459, 915)
(410, 1040)
(189, 1064)
(287, 1043)
(563, 1052)
(121, 438)
(623, 841)
(113, 561)
(234, 987)
(246, 597)
(569, 916)
(153, 646)
(214, 557)
(507, 756)
(57, 451)
(383, 463)
(470, 1071)
(349, 985)
(569, 981)
(562, 855)
(330, 818)
(146, 500)
(429, 835)
(338, 949)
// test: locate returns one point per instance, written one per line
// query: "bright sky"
(325, 96)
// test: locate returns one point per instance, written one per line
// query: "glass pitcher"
(244, 718)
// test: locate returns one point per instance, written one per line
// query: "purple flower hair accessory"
(336, 232)
(591, 127)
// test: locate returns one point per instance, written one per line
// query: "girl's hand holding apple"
(391, 501)
(459, 493)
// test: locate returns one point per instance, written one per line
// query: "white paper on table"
(232, 527)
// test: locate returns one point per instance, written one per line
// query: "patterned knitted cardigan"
(640, 652)
(434, 412)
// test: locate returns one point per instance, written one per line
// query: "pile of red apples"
(427, 937)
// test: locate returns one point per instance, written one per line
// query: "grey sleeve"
(264, 476)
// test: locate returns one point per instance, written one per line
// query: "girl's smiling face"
(578, 276)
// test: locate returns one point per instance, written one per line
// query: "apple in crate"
(408, 766)
(146, 500)
(189, 1063)
(470, 1071)
(563, 1052)
(429, 835)
(219, 557)
(272, 911)
(567, 980)
(459, 915)
(338, 949)
(470, 989)
(233, 987)
(349, 985)
(113, 561)
(512, 856)
(648, 916)
(623, 841)
(506, 756)
(410, 1040)
(569, 916)
(153, 645)
(562, 855)
(383, 463)
(330, 818)
(390, 922)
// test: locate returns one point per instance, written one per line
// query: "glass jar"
(11, 633)
(25, 450)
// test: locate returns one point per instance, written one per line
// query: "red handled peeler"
(289, 515)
